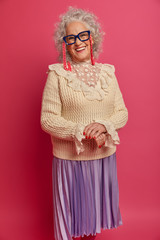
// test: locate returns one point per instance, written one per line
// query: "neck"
(81, 63)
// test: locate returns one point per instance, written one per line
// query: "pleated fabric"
(85, 197)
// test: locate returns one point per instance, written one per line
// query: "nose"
(78, 41)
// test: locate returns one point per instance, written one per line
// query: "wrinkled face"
(79, 51)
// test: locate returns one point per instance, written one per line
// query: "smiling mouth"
(80, 49)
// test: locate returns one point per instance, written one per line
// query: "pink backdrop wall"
(26, 48)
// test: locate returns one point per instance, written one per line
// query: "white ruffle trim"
(112, 137)
(78, 138)
(101, 89)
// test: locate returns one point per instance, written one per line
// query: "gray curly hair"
(80, 15)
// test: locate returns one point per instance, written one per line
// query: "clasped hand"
(96, 131)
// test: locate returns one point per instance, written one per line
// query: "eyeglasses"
(82, 36)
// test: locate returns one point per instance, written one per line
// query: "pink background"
(131, 44)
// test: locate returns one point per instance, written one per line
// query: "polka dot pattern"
(87, 73)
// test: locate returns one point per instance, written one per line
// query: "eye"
(71, 38)
(84, 35)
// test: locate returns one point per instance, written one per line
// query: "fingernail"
(86, 137)
(89, 137)
(94, 137)
(100, 146)
(103, 143)
(84, 133)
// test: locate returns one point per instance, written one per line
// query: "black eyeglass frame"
(77, 36)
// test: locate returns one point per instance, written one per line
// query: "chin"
(82, 59)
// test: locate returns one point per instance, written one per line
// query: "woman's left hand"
(94, 130)
(101, 140)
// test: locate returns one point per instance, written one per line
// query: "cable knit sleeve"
(117, 120)
(51, 120)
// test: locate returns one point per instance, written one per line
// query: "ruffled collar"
(91, 93)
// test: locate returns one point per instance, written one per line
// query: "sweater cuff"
(78, 138)
(112, 135)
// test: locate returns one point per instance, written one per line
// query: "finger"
(96, 131)
(90, 130)
(97, 134)
(93, 132)
(101, 140)
(100, 143)
(93, 125)
(87, 128)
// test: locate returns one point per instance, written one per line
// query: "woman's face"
(79, 51)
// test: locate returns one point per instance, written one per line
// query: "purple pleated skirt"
(85, 197)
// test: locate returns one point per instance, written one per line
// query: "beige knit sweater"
(69, 104)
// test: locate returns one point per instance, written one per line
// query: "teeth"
(80, 49)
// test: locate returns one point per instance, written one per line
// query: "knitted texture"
(68, 105)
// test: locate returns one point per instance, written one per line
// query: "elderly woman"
(82, 110)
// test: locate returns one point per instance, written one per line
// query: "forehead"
(75, 28)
